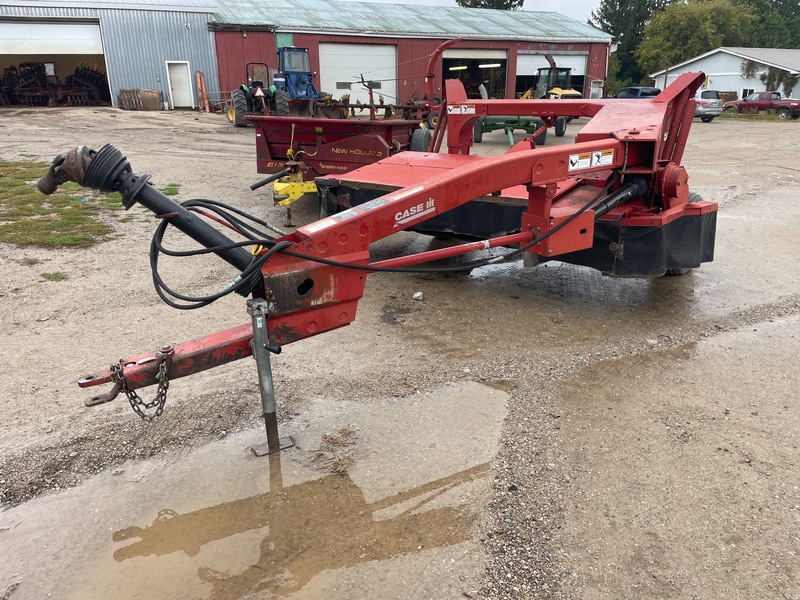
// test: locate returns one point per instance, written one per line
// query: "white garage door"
(527, 64)
(51, 38)
(341, 65)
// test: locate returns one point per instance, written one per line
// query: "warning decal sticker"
(591, 160)
(580, 161)
(461, 109)
(602, 158)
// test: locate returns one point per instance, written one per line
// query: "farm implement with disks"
(617, 200)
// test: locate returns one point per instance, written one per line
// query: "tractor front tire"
(238, 109)
(281, 102)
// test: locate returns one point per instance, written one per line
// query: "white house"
(723, 68)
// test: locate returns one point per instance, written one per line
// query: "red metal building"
(392, 43)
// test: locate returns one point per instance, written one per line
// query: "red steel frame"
(638, 137)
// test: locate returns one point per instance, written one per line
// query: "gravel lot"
(650, 445)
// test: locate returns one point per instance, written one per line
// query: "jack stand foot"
(288, 218)
(264, 449)
(275, 443)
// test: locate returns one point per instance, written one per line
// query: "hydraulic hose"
(635, 188)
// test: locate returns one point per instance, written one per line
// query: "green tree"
(776, 23)
(499, 4)
(626, 20)
(684, 31)
(613, 81)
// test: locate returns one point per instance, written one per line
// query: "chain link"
(138, 405)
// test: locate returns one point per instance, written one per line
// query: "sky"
(580, 10)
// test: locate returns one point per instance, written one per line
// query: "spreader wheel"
(420, 140)
(541, 138)
(282, 102)
(561, 126)
(432, 119)
(238, 108)
(477, 131)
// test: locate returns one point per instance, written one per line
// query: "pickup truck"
(785, 108)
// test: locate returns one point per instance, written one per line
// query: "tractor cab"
(294, 74)
(555, 83)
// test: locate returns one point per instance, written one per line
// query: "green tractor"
(257, 96)
(288, 90)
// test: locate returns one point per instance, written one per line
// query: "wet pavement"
(220, 523)
(663, 463)
(687, 464)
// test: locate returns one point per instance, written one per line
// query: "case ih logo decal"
(414, 212)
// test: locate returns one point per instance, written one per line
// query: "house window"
(746, 92)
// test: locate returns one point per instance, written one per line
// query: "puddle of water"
(215, 524)
(553, 305)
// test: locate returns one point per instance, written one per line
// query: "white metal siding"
(527, 64)
(346, 63)
(137, 42)
(50, 38)
(723, 73)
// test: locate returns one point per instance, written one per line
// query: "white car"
(709, 105)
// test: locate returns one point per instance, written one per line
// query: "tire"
(731, 110)
(561, 126)
(784, 113)
(706, 119)
(693, 197)
(238, 108)
(477, 131)
(432, 119)
(541, 138)
(281, 102)
(420, 140)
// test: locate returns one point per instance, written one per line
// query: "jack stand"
(289, 217)
(257, 309)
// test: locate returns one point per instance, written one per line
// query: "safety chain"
(138, 405)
